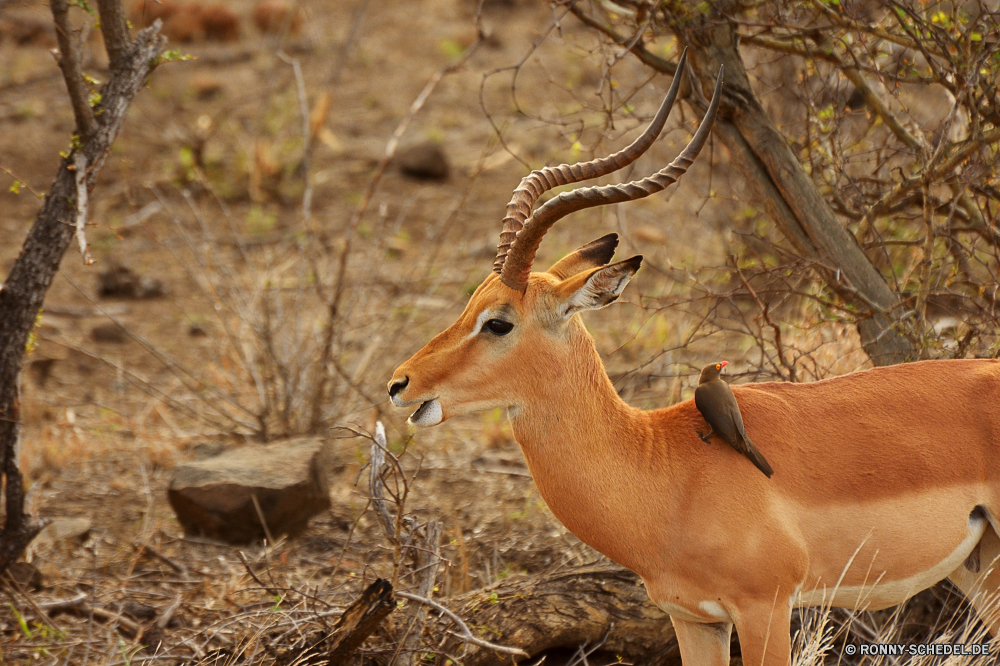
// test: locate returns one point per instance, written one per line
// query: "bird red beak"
(724, 363)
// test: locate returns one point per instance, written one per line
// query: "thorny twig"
(764, 308)
(375, 484)
(20, 182)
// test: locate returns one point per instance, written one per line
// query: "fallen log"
(567, 609)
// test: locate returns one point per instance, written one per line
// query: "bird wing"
(746, 446)
(718, 406)
(712, 400)
(734, 413)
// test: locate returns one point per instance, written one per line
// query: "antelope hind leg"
(982, 587)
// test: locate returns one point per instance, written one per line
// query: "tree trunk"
(781, 185)
(22, 294)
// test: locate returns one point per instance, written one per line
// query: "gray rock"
(120, 282)
(215, 498)
(425, 161)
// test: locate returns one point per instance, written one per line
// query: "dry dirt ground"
(203, 193)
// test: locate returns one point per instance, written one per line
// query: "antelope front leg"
(764, 631)
(703, 644)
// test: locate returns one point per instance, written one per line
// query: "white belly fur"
(882, 594)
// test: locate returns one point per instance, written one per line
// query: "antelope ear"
(592, 255)
(596, 288)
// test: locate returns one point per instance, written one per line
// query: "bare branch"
(69, 63)
(306, 135)
(375, 485)
(466, 635)
(634, 45)
(851, 72)
(114, 27)
(875, 102)
(935, 174)
(428, 559)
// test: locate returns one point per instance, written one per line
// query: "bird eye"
(718, 366)
(498, 326)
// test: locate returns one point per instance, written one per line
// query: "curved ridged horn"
(540, 181)
(517, 266)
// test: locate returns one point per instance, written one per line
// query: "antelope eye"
(498, 326)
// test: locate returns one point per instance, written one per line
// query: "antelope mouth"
(428, 413)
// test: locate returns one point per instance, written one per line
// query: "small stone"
(121, 282)
(425, 161)
(215, 498)
(110, 333)
(27, 31)
(220, 23)
(276, 16)
(184, 25)
(206, 87)
(61, 532)
(41, 369)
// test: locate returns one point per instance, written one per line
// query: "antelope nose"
(397, 386)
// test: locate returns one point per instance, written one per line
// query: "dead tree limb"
(780, 182)
(53, 231)
(567, 609)
(361, 619)
(357, 623)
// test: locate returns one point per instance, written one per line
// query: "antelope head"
(520, 329)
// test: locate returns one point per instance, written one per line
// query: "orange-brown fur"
(877, 473)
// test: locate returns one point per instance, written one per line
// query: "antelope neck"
(588, 452)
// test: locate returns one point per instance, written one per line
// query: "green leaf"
(451, 48)
(82, 4)
(20, 621)
(173, 55)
